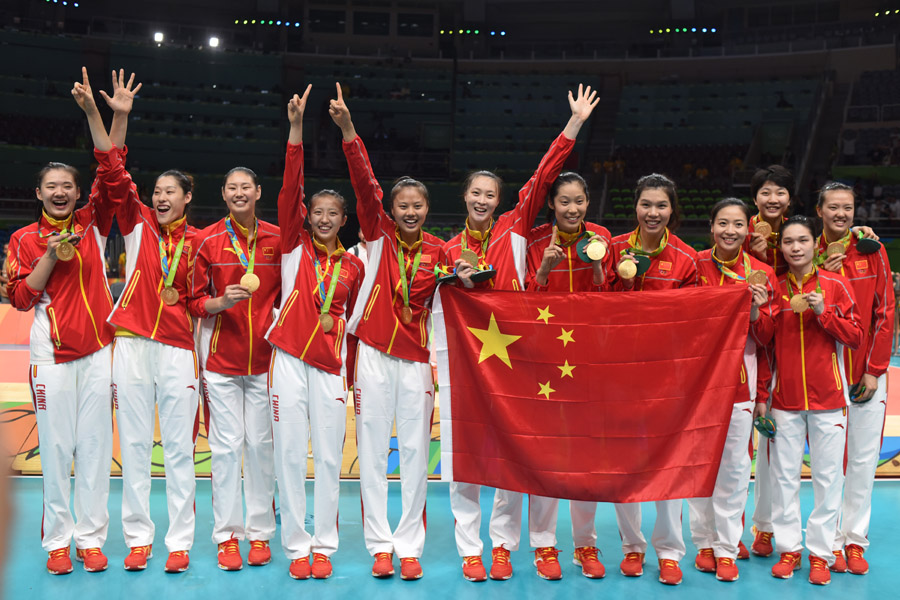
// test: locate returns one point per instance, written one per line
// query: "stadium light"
(713, 30)
(704, 30)
(502, 33)
(278, 22)
(297, 24)
(476, 32)
(493, 33)
(468, 31)
(158, 37)
(213, 42)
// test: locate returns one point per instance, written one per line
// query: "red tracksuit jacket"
(674, 267)
(572, 274)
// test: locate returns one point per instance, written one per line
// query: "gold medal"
(169, 295)
(627, 269)
(470, 257)
(327, 322)
(406, 315)
(65, 251)
(596, 250)
(250, 281)
(799, 304)
(757, 278)
(763, 229)
(834, 248)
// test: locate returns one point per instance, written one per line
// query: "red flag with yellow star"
(614, 397)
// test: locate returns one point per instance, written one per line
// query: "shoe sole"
(411, 577)
(94, 570)
(177, 570)
(318, 577)
(663, 581)
(259, 564)
(382, 575)
(703, 570)
(761, 555)
(499, 578)
(820, 582)
(298, 578)
(227, 568)
(60, 572)
(475, 579)
(727, 579)
(858, 572)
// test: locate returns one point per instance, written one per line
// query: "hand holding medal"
(65, 249)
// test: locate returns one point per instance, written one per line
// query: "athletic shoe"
(743, 553)
(321, 566)
(818, 571)
(93, 559)
(410, 568)
(178, 562)
(473, 569)
(137, 558)
(299, 568)
(856, 564)
(501, 568)
(230, 555)
(726, 569)
(632, 565)
(586, 558)
(259, 554)
(785, 567)
(840, 564)
(669, 571)
(58, 561)
(547, 564)
(762, 543)
(706, 561)
(384, 565)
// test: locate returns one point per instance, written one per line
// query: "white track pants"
(667, 538)
(506, 519)
(305, 398)
(148, 374)
(826, 431)
(239, 428)
(387, 388)
(716, 521)
(762, 484)
(73, 408)
(865, 425)
(583, 531)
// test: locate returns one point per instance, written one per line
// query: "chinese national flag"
(614, 397)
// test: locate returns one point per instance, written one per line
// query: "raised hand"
(339, 112)
(297, 106)
(123, 93)
(583, 105)
(83, 94)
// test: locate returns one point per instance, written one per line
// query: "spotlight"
(296, 24)
(668, 30)
(468, 31)
(271, 22)
(213, 42)
(476, 32)
(460, 32)
(713, 30)
(253, 22)
(245, 21)
(704, 30)
(237, 21)
(493, 33)
(442, 32)
(278, 22)
(693, 30)
(502, 33)
(158, 37)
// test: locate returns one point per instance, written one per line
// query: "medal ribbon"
(415, 268)
(485, 241)
(634, 243)
(167, 269)
(821, 257)
(723, 266)
(247, 264)
(320, 277)
(564, 240)
(790, 278)
(62, 224)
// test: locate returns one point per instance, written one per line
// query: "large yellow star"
(546, 390)
(544, 315)
(566, 337)
(493, 342)
(567, 369)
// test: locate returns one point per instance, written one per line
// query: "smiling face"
(653, 210)
(729, 229)
(58, 192)
(772, 200)
(169, 200)
(409, 209)
(836, 212)
(482, 198)
(798, 245)
(240, 194)
(326, 217)
(569, 206)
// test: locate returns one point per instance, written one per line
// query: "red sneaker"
(137, 558)
(743, 553)
(706, 561)
(93, 559)
(669, 571)
(410, 568)
(299, 568)
(230, 555)
(58, 561)
(501, 568)
(818, 571)
(547, 563)
(632, 565)
(762, 543)
(586, 558)
(178, 562)
(260, 554)
(473, 569)
(726, 569)
(384, 565)
(321, 566)
(856, 564)
(786, 565)
(840, 564)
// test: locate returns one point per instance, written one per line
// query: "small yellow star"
(567, 370)
(494, 342)
(544, 315)
(546, 390)
(566, 337)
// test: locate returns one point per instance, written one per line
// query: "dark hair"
(408, 182)
(241, 170)
(563, 179)
(52, 166)
(655, 181)
(800, 220)
(185, 181)
(774, 173)
(725, 203)
(834, 186)
(336, 195)
(474, 174)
